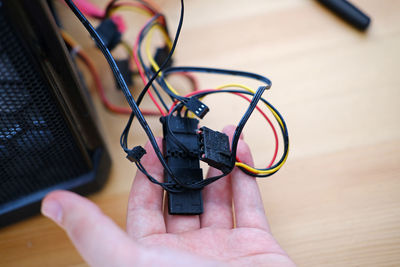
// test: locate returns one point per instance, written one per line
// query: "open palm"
(155, 238)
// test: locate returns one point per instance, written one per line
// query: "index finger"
(145, 215)
(248, 204)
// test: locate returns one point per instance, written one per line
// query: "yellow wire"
(252, 91)
(150, 56)
(241, 164)
(69, 39)
(251, 169)
(149, 38)
(131, 8)
(156, 68)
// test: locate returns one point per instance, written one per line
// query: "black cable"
(207, 181)
(130, 52)
(135, 109)
(155, 17)
(243, 121)
(159, 79)
(215, 71)
(164, 64)
(108, 8)
(283, 128)
(145, 89)
(220, 71)
(176, 185)
(147, 70)
(256, 97)
(159, 96)
(124, 136)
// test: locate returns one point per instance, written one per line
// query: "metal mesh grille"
(36, 146)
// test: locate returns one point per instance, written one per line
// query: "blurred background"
(336, 202)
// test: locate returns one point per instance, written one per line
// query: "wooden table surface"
(336, 202)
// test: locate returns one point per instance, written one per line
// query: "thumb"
(97, 238)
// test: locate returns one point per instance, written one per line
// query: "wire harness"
(184, 144)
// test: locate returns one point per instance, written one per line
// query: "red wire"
(91, 10)
(272, 127)
(135, 57)
(259, 110)
(141, 6)
(100, 89)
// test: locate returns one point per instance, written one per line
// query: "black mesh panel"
(37, 149)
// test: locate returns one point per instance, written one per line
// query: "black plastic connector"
(189, 202)
(214, 149)
(124, 67)
(184, 164)
(161, 55)
(136, 153)
(197, 107)
(109, 33)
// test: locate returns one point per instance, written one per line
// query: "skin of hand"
(155, 238)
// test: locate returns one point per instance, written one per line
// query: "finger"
(218, 197)
(96, 237)
(217, 203)
(248, 205)
(145, 216)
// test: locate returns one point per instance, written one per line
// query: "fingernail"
(53, 210)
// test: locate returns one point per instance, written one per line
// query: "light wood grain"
(337, 200)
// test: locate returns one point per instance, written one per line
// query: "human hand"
(155, 238)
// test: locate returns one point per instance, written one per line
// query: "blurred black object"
(49, 136)
(348, 12)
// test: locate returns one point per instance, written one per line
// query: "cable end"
(135, 154)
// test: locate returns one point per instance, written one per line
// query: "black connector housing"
(109, 33)
(161, 55)
(197, 107)
(214, 149)
(124, 67)
(185, 165)
(136, 154)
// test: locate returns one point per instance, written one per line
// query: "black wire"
(243, 121)
(108, 8)
(164, 64)
(283, 128)
(160, 80)
(124, 136)
(256, 97)
(215, 71)
(176, 185)
(146, 70)
(178, 109)
(159, 96)
(135, 109)
(155, 17)
(205, 182)
(130, 52)
(220, 71)
(200, 69)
